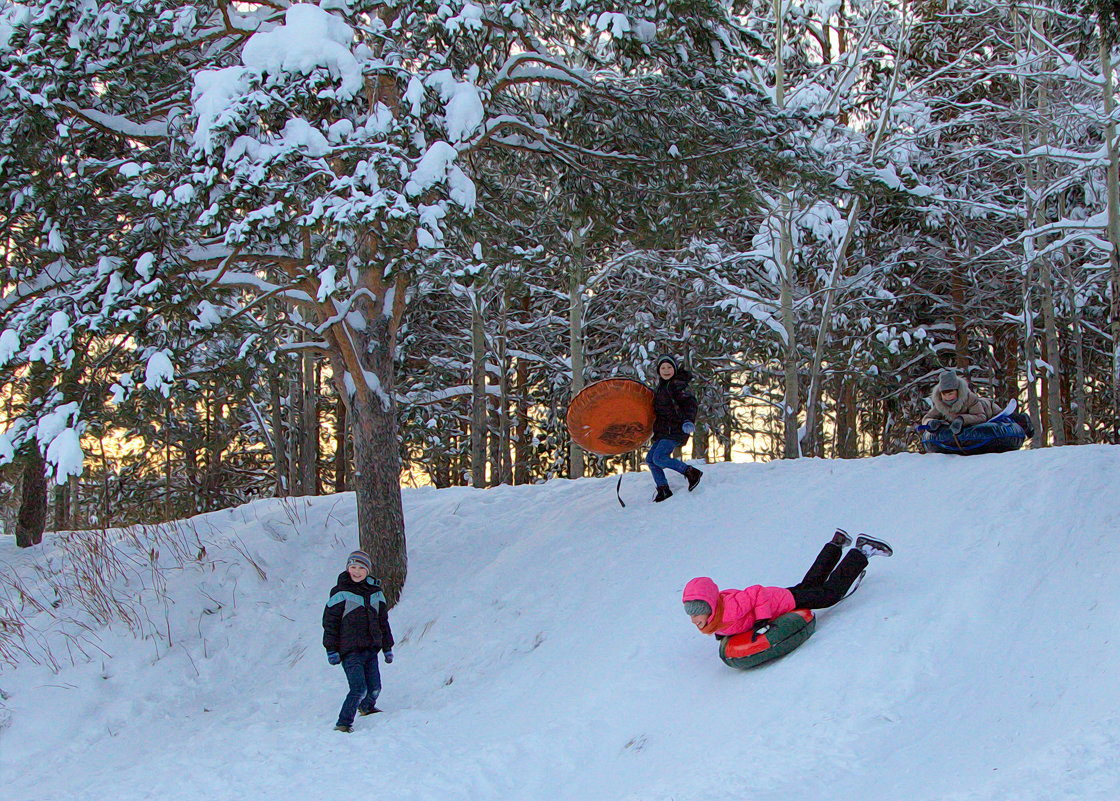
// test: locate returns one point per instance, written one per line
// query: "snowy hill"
(543, 652)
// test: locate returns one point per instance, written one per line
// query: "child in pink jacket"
(728, 612)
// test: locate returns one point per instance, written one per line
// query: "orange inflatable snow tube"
(612, 416)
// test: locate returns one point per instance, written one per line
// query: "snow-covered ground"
(543, 652)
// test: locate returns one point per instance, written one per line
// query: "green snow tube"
(785, 634)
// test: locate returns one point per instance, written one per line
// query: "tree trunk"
(167, 510)
(960, 323)
(1052, 379)
(521, 426)
(377, 472)
(1079, 401)
(295, 438)
(700, 443)
(478, 393)
(504, 468)
(341, 457)
(575, 338)
(521, 412)
(493, 426)
(847, 426)
(279, 436)
(1113, 223)
(75, 489)
(309, 444)
(729, 418)
(1032, 389)
(62, 507)
(1005, 351)
(791, 401)
(32, 519)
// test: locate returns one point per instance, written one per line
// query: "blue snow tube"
(994, 436)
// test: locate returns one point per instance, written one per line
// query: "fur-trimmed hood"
(969, 407)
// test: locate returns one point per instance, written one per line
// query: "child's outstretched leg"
(826, 560)
(828, 592)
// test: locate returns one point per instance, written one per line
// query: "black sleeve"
(686, 402)
(332, 619)
(386, 632)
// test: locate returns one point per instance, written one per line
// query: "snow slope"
(543, 652)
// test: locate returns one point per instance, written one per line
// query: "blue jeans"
(660, 456)
(364, 678)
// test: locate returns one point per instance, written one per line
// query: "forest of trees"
(271, 249)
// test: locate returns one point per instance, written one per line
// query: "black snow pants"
(826, 582)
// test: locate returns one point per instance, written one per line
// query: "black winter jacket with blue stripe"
(356, 617)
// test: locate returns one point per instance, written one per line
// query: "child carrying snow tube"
(786, 632)
(995, 436)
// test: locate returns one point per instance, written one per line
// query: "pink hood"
(739, 608)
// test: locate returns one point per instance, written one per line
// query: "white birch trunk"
(1113, 220)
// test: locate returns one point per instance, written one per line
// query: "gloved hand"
(689, 427)
(933, 425)
(760, 626)
(333, 657)
(956, 426)
(389, 657)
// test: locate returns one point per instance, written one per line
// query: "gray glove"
(933, 425)
(956, 425)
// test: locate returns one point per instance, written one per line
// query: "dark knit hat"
(360, 558)
(697, 607)
(949, 381)
(665, 357)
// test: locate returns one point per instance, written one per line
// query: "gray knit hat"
(665, 357)
(697, 607)
(949, 381)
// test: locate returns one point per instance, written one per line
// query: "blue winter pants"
(660, 456)
(364, 678)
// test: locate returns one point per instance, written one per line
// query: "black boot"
(662, 494)
(1024, 422)
(693, 475)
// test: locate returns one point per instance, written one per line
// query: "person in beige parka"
(956, 405)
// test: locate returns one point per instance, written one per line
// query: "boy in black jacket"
(355, 628)
(674, 420)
